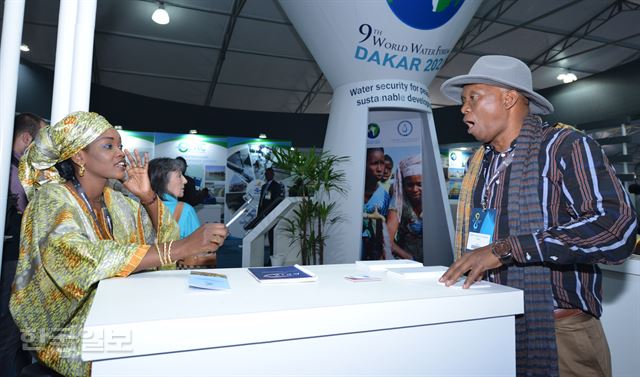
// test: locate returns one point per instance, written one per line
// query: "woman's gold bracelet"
(162, 261)
(167, 252)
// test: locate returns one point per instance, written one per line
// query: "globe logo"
(183, 147)
(405, 128)
(373, 131)
(425, 15)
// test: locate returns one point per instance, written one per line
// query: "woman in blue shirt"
(168, 182)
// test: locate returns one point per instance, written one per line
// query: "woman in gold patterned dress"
(77, 231)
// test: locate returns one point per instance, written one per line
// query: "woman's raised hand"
(138, 176)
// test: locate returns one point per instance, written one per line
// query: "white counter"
(621, 315)
(329, 327)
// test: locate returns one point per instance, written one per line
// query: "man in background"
(271, 192)
(25, 129)
(12, 357)
(192, 195)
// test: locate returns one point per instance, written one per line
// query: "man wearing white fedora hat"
(540, 207)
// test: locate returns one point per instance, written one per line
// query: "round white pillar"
(83, 56)
(61, 97)
(9, 67)
(381, 55)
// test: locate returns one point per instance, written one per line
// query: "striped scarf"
(536, 350)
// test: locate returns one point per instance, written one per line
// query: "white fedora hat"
(503, 71)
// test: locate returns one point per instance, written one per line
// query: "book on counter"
(424, 272)
(282, 274)
(381, 265)
(208, 280)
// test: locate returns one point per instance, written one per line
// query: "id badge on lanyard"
(481, 227)
(483, 220)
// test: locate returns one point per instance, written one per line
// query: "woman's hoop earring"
(81, 171)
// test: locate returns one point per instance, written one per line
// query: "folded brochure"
(424, 272)
(282, 274)
(381, 265)
(208, 280)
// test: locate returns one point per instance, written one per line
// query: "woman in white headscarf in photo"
(404, 219)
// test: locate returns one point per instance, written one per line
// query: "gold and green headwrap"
(56, 143)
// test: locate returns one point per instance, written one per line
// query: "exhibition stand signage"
(379, 56)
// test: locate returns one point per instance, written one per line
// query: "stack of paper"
(477, 285)
(381, 265)
(424, 272)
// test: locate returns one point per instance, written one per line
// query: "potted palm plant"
(316, 177)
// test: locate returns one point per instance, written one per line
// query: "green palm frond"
(317, 177)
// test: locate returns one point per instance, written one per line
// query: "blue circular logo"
(405, 128)
(373, 130)
(425, 15)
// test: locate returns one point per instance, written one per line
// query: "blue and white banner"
(375, 54)
(246, 162)
(355, 41)
(205, 156)
(394, 141)
(143, 142)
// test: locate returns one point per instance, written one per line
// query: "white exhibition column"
(9, 66)
(74, 58)
(378, 56)
(82, 56)
(61, 97)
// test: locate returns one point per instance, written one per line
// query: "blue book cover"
(282, 274)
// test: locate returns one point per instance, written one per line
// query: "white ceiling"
(209, 56)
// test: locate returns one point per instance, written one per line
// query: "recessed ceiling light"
(262, 136)
(193, 131)
(160, 15)
(24, 48)
(567, 77)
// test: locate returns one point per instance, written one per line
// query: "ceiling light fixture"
(24, 48)
(160, 15)
(567, 77)
(193, 131)
(262, 136)
(117, 127)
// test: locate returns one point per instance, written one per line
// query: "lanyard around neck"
(488, 183)
(104, 209)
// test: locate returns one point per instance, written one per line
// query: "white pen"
(243, 208)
